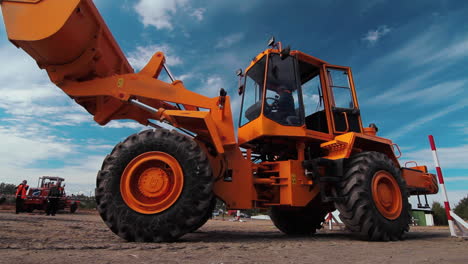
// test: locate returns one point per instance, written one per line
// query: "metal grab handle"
(347, 124)
(411, 161)
(398, 148)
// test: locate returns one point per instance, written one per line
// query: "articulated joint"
(327, 177)
(333, 168)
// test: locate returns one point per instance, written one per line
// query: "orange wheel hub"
(152, 182)
(387, 195)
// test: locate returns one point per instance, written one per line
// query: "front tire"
(206, 217)
(375, 202)
(154, 186)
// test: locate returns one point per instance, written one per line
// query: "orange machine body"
(81, 56)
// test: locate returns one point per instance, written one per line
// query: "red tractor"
(37, 197)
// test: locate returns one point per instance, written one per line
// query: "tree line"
(440, 218)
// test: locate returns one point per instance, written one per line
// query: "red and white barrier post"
(330, 219)
(442, 185)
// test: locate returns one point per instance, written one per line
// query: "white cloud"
(229, 40)
(372, 36)
(235, 104)
(71, 119)
(406, 92)
(107, 148)
(455, 50)
(31, 107)
(21, 147)
(198, 13)
(122, 124)
(76, 170)
(424, 49)
(461, 127)
(19, 63)
(158, 13)
(31, 98)
(139, 57)
(449, 157)
(456, 179)
(186, 77)
(211, 86)
(418, 123)
(426, 57)
(230, 61)
(162, 13)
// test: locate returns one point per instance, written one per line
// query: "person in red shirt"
(21, 195)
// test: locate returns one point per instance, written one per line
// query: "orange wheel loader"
(301, 149)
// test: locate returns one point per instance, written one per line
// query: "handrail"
(411, 161)
(398, 148)
(346, 122)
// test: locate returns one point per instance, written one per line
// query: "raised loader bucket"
(68, 38)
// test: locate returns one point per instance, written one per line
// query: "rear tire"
(180, 215)
(376, 203)
(297, 221)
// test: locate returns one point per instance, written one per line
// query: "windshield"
(282, 95)
(253, 91)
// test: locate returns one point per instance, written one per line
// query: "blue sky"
(408, 58)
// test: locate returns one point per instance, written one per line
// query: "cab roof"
(300, 55)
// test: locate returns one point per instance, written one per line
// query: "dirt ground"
(84, 238)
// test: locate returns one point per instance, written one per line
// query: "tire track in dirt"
(83, 237)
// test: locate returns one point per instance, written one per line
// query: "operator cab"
(50, 181)
(292, 94)
(281, 103)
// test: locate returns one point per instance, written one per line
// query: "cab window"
(312, 94)
(341, 88)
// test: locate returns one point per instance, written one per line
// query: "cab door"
(345, 113)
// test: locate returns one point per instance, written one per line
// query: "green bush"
(7, 188)
(462, 208)
(90, 204)
(440, 218)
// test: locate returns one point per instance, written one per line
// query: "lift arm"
(80, 55)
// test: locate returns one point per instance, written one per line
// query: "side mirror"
(271, 42)
(222, 92)
(241, 89)
(241, 77)
(285, 52)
